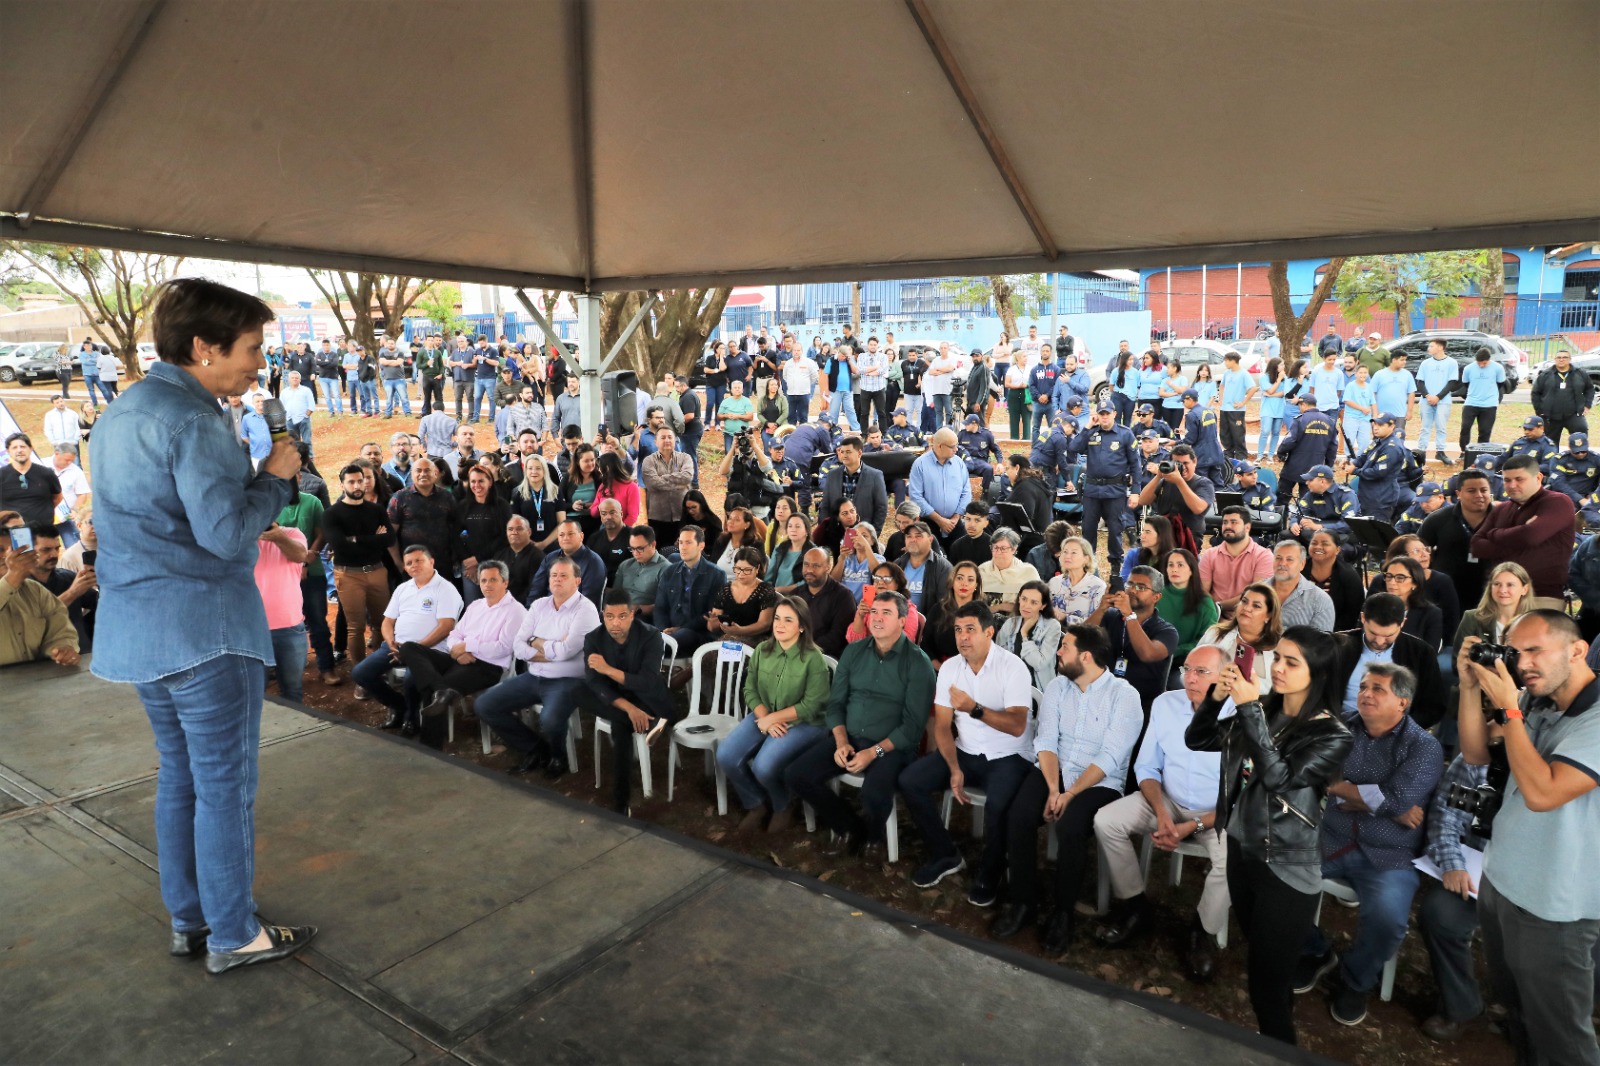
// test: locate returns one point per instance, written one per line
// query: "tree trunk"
(1291, 327)
(1492, 290)
(670, 340)
(1403, 313)
(855, 308)
(1003, 291)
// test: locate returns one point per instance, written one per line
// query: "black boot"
(1129, 921)
(1012, 919)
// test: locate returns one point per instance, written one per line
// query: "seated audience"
(684, 597)
(570, 546)
(1142, 642)
(1155, 541)
(1448, 917)
(973, 544)
(1300, 602)
(640, 574)
(783, 565)
(830, 603)
(742, 608)
(622, 684)
(886, 577)
(1508, 595)
(786, 687)
(1031, 634)
(521, 556)
(939, 636)
(982, 738)
(858, 554)
(927, 570)
(905, 514)
(1257, 623)
(1004, 574)
(1176, 801)
(610, 541)
(1402, 576)
(1440, 587)
(1075, 592)
(422, 610)
(742, 530)
(1184, 601)
(33, 623)
(1330, 573)
(1087, 727)
(1237, 563)
(1381, 639)
(877, 711)
(78, 592)
(1371, 830)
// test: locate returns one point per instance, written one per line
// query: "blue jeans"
(913, 408)
(754, 763)
(481, 387)
(941, 409)
(1267, 443)
(1385, 909)
(300, 431)
(332, 393)
(840, 406)
(372, 674)
(395, 395)
(207, 724)
(1358, 434)
(1041, 418)
(108, 389)
(90, 383)
(502, 706)
(1124, 406)
(314, 605)
(367, 397)
(1434, 422)
(289, 659)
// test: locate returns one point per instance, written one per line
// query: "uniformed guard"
(1577, 470)
(1430, 497)
(1144, 417)
(1382, 468)
(1486, 463)
(1257, 497)
(785, 471)
(901, 432)
(1311, 441)
(1078, 417)
(1108, 451)
(1201, 432)
(1532, 442)
(1053, 454)
(1150, 451)
(976, 444)
(1323, 505)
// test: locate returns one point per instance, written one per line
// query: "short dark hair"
(1239, 511)
(190, 309)
(978, 508)
(1557, 621)
(617, 597)
(1521, 462)
(1093, 641)
(1183, 449)
(647, 533)
(572, 433)
(352, 468)
(1384, 609)
(851, 441)
(23, 437)
(47, 530)
(1472, 473)
(419, 549)
(1483, 355)
(977, 609)
(698, 532)
(1437, 340)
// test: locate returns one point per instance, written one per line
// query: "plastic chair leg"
(646, 779)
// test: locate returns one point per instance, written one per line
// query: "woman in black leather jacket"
(1279, 754)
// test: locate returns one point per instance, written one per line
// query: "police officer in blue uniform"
(1144, 417)
(1382, 468)
(1109, 453)
(785, 471)
(1200, 432)
(1430, 497)
(901, 432)
(1577, 470)
(1323, 505)
(1533, 442)
(1311, 441)
(1150, 451)
(976, 444)
(801, 445)
(1486, 463)
(1053, 454)
(1257, 497)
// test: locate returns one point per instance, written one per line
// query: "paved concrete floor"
(466, 917)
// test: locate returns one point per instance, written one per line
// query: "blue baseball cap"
(1384, 419)
(1145, 409)
(1190, 394)
(1429, 489)
(1149, 434)
(973, 420)
(1245, 466)
(1320, 470)
(1485, 462)
(1307, 397)
(1533, 422)
(1106, 409)
(1578, 442)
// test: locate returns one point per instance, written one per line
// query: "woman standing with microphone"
(178, 512)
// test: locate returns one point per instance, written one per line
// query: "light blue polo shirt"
(1235, 386)
(1483, 383)
(1435, 375)
(1355, 392)
(1392, 387)
(1327, 384)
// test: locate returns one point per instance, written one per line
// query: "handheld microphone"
(277, 419)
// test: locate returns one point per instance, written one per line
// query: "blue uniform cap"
(1245, 466)
(1384, 419)
(1076, 402)
(1307, 397)
(1484, 462)
(972, 420)
(1428, 490)
(1533, 422)
(1320, 470)
(1106, 409)
(1145, 409)
(1149, 434)
(1190, 394)
(1578, 442)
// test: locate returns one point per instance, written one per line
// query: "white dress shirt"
(1003, 681)
(418, 609)
(562, 629)
(1190, 778)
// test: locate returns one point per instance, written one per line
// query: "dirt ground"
(1388, 1037)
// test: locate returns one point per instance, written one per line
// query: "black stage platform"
(468, 917)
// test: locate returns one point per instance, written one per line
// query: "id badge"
(1121, 669)
(1563, 384)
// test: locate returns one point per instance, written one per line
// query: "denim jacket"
(178, 511)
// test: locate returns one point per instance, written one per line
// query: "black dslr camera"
(1483, 802)
(1486, 655)
(743, 441)
(1166, 466)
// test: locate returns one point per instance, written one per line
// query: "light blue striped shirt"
(1095, 727)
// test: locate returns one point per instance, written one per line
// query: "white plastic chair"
(811, 815)
(705, 730)
(1342, 891)
(484, 731)
(1147, 849)
(669, 660)
(978, 798)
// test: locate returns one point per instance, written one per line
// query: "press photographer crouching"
(1539, 900)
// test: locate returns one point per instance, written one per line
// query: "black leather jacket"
(1280, 804)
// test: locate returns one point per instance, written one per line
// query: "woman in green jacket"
(786, 692)
(1184, 602)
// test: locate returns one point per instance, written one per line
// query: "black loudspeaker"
(619, 401)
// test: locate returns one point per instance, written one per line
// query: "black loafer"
(188, 945)
(394, 721)
(286, 940)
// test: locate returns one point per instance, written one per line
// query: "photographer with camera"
(749, 473)
(1539, 898)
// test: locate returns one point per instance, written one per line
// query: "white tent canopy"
(606, 144)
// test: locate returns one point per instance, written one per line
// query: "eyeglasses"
(637, 548)
(1392, 578)
(744, 569)
(885, 578)
(1140, 588)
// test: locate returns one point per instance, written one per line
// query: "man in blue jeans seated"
(877, 711)
(1371, 830)
(983, 737)
(422, 610)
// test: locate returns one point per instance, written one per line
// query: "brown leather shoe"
(331, 679)
(781, 821)
(753, 821)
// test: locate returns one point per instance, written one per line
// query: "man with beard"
(358, 532)
(832, 606)
(1234, 565)
(1380, 640)
(622, 684)
(610, 541)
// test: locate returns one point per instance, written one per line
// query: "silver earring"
(205, 362)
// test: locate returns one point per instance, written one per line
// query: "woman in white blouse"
(1032, 634)
(1257, 623)
(1076, 591)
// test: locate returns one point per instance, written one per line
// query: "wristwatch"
(977, 712)
(878, 752)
